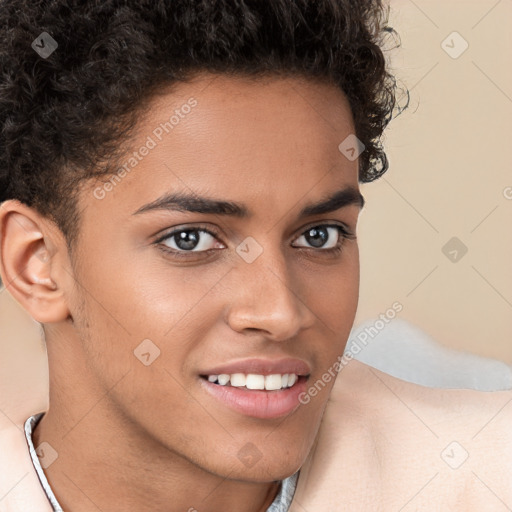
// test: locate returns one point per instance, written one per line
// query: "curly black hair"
(64, 116)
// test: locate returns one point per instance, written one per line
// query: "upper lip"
(261, 367)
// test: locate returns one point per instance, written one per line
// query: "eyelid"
(215, 233)
(184, 227)
(328, 224)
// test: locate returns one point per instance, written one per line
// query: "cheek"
(135, 303)
(134, 296)
(145, 292)
(332, 292)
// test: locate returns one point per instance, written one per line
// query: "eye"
(185, 241)
(328, 237)
(189, 240)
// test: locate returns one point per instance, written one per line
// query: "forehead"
(238, 138)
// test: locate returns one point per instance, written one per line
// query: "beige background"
(450, 164)
(449, 172)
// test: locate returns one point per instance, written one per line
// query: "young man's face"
(149, 324)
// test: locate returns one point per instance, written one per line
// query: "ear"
(33, 253)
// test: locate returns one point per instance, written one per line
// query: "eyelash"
(345, 235)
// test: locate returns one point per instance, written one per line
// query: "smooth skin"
(131, 436)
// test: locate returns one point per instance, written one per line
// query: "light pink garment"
(23, 391)
(19, 484)
(388, 445)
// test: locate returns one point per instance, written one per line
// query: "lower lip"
(257, 403)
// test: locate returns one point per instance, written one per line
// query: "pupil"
(316, 237)
(186, 240)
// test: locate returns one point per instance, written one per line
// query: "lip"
(256, 403)
(260, 366)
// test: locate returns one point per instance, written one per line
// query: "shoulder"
(20, 489)
(387, 441)
(367, 386)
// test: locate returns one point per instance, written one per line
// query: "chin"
(263, 468)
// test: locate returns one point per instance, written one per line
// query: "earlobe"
(27, 263)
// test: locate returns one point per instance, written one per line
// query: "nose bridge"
(266, 298)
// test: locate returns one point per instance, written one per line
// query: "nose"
(267, 297)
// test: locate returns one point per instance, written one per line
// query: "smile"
(257, 396)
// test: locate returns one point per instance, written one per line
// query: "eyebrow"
(180, 201)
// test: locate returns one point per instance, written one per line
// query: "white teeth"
(223, 379)
(238, 380)
(275, 382)
(253, 381)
